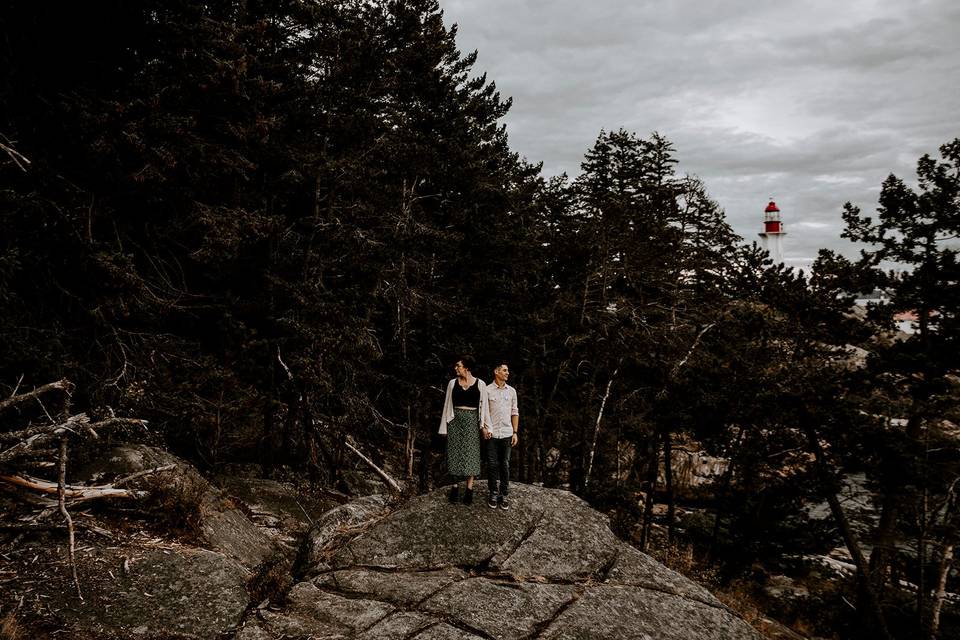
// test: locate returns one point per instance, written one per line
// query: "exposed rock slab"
(406, 588)
(546, 534)
(334, 524)
(630, 613)
(398, 626)
(549, 567)
(501, 609)
(571, 541)
(633, 567)
(319, 614)
(430, 533)
(445, 631)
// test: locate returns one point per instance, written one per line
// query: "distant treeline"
(267, 226)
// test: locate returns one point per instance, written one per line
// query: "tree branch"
(76, 493)
(59, 385)
(380, 472)
(61, 495)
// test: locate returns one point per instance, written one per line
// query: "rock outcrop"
(547, 568)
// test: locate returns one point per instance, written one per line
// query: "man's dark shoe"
(468, 496)
(503, 503)
(455, 493)
(492, 501)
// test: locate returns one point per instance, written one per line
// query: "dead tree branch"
(59, 385)
(75, 493)
(18, 158)
(40, 435)
(380, 472)
(61, 499)
(139, 474)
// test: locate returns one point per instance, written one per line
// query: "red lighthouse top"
(771, 220)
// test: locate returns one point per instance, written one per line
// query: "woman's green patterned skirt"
(463, 443)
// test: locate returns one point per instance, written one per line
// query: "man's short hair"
(467, 361)
(501, 363)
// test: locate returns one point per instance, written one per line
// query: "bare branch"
(139, 474)
(59, 385)
(17, 388)
(61, 494)
(76, 493)
(18, 158)
(284, 364)
(380, 472)
(43, 434)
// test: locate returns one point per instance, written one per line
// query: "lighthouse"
(773, 232)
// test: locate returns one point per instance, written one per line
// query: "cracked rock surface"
(547, 568)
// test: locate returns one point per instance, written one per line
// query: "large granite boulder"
(549, 567)
(221, 523)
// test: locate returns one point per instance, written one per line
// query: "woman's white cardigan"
(447, 415)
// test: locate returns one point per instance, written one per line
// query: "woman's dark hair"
(467, 361)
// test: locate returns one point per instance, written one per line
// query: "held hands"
(487, 434)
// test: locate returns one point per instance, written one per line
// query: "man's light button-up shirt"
(503, 404)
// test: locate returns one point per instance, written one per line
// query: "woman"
(465, 419)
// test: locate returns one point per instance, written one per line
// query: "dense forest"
(271, 228)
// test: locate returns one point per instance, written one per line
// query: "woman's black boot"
(468, 496)
(455, 493)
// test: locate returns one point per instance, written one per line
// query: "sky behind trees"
(813, 103)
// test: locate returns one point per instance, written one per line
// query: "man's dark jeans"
(498, 465)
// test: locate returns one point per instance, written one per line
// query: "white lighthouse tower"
(773, 232)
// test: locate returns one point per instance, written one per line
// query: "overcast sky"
(813, 103)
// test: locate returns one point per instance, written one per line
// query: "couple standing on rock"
(471, 410)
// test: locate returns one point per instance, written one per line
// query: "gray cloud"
(811, 102)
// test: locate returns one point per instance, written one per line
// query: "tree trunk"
(411, 443)
(653, 457)
(884, 541)
(850, 539)
(885, 536)
(921, 563)
(722, 493)
(946, 560)
(596, 428)
(668, 480)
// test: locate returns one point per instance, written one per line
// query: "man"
(505, 418)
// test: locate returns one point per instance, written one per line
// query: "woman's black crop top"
(469, 397)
